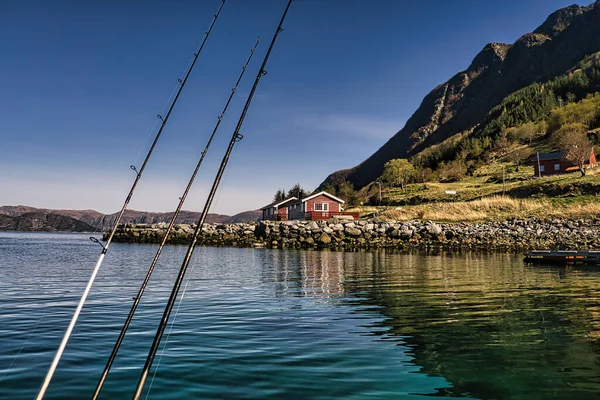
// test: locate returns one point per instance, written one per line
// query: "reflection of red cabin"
(556, 163)
(278, 210)
(318, 206)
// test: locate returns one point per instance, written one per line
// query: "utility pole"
(503, 182)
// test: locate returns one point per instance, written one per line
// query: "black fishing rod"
(169, 229)
(236, 137)
(164, 120)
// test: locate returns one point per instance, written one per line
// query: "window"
(542, 168)
(321, 206)
(557, 167)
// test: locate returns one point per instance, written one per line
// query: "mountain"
(42, 222)
(462, 103)
(24, 217)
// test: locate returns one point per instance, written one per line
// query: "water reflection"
(272, 324)
(493, 326)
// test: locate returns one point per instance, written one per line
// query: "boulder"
(312, 225)
(352, 231)
(433, 229)
(405, 232)
(262, 230)
(324, 239)
(338, 227)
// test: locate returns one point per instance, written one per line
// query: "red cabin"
(556, 163)
(318, 206)
(277, 211)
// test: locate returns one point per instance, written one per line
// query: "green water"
(272, 324)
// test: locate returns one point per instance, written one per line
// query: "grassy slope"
(480, 197)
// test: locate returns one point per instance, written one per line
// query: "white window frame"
(324, 207)
(557, 167)
(542, 168)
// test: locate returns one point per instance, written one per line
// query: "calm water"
(273, 324)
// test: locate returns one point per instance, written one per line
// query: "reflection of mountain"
(493, 327)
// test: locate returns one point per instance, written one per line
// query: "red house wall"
(283, 213)
(549, 167)
(334, 206)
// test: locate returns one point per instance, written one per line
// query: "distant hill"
(27, 218)
(465, 105)
(43, 222)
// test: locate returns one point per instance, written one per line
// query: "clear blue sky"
(82, 81)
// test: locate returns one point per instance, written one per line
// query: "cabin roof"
(556, 155)
(279, 203)
(324, 193)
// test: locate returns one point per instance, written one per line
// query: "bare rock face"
(564, 39)
(559, 20)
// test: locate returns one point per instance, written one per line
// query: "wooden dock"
(563, 257)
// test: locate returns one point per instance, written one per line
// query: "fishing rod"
(169, 228)
(236, 137)
(164, 120)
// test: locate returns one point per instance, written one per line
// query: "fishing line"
(24, 344)
(164, 108)
(164, 346)
(145, 142)
(236, 137)
(105, 247)
(182, 199)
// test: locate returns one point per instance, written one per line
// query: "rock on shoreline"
(512, 235)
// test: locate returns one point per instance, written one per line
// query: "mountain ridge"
(10, 217)
(460, 104)
(37, 221)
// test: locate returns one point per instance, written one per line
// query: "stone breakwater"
(512, 235)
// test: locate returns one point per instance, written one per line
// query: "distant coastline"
(32, 219)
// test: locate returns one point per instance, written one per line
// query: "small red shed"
(556, 163)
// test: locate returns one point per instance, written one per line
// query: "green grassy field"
(483, 197)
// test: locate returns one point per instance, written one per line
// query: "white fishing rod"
(182, 199)
(164, 120)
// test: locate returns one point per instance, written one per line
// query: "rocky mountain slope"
(91, 220)
(460, 104)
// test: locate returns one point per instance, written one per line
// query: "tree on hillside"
(503, 142)
(454, 170)
(398, 172)
(329, 188)
(573, 140)
(280, 195)
(520, 156)
(527, 132)
(347, 193)
(298, 191)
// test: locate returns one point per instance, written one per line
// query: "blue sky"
(81, 83)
